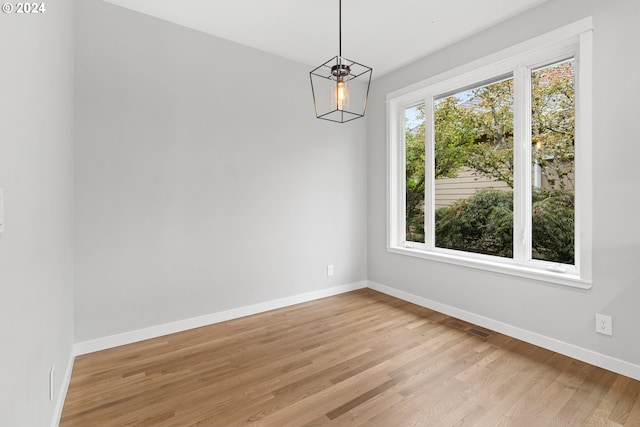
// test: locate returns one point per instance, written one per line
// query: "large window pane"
(415, 167)
(474, 169)
(553, 157)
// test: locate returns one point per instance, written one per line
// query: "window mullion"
(522, 166)
(429, 171)
(401, 181)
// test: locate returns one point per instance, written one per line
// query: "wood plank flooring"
(356, 359)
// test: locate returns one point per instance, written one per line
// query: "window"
(489, 165)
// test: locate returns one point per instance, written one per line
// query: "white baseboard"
(62, 393)
(209, 319)
(597, 359)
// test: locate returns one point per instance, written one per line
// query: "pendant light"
(340, 86)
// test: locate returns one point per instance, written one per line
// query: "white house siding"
(465, 185)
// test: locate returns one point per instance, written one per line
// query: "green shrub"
(553, 225)
(483, 224)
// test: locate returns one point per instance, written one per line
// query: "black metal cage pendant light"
(340, 86)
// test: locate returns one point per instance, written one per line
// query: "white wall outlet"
(330, 270)
(52, 379)
(604, 324)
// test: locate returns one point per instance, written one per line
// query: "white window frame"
(574, 40)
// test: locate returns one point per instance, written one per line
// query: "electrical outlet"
(604, 324)
(330, 270)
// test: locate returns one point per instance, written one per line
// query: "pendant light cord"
(340, 27)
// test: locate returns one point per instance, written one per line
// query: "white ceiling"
(384, 35)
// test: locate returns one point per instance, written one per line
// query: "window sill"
(564, 279)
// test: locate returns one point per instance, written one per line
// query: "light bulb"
(342, 95)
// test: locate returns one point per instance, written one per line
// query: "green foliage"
(478, 133)
(455, 135)
(492, 156)
(483, 224)
(553, 123)
(553, 225)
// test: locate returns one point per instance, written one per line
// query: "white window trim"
(572, 40)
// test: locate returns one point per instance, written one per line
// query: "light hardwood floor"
(356, 359)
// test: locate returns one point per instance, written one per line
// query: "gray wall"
(203, 180)
(554, 311)
(36, 133)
